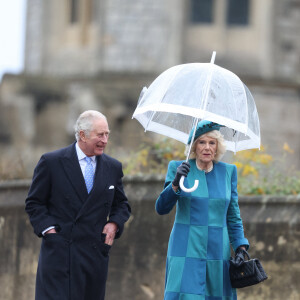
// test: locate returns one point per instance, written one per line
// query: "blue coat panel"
(207, 222)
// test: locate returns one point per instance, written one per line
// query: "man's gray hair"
(85, 122)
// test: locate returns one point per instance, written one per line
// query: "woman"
(207, 221)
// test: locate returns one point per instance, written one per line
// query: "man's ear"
(82, 135)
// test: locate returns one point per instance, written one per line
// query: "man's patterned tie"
(89, 174)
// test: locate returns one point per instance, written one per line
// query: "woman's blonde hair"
(221, 146)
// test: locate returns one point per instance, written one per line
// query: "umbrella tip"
(213, 57)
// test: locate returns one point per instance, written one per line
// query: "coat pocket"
(54, 255)
(102, 248)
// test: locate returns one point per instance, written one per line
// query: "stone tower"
(257, 39)
(76, 38)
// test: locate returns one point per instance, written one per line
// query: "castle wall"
(137, 260)
(150, 36)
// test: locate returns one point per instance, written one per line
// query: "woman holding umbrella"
(207, 221)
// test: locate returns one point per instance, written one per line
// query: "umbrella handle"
(186, 189)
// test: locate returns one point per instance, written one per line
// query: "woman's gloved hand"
(239, 258)
(182, 170)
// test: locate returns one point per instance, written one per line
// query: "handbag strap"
(246, 254)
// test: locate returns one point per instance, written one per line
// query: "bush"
(258, 172)
(261, 174)
(153, 156)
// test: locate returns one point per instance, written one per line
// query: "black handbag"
(249, 273)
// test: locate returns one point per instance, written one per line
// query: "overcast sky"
(12, 31)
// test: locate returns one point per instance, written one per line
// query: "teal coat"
(207, 221)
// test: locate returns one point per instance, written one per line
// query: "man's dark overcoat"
(73, 263)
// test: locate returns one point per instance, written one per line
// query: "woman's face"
(206, 149)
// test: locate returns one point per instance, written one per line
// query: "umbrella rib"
(207, 86)
(164, 94)
(232, 93)
(247, 113)
(193, 137)
(150, 119)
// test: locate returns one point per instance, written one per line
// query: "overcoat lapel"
(100, 183)
(72, 168)
(101, 175)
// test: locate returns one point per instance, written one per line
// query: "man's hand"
(110, 229)
(52, 230)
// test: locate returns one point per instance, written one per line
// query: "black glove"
(239, 258)
(182, 170)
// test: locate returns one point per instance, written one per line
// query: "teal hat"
(203, 126)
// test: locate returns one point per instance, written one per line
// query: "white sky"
(12, 32)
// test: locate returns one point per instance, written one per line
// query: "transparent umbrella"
(185, 94)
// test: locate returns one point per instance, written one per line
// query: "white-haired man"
(76, 203)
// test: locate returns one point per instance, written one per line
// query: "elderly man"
(76, 203)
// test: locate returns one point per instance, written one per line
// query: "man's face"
(95, 142)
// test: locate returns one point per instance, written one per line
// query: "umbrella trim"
(156, 127)
(193, 112)
(243, 145)
(172, 133)
(183, 137)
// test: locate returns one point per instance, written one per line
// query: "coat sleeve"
(234, 221)
(120, 209)
(38, 195)
(168, 198)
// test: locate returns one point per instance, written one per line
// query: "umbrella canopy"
(185, 94)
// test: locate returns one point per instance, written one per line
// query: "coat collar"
(73, 171)
(100, 183)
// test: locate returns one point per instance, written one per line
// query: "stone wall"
(137, 260)
(286, 43)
